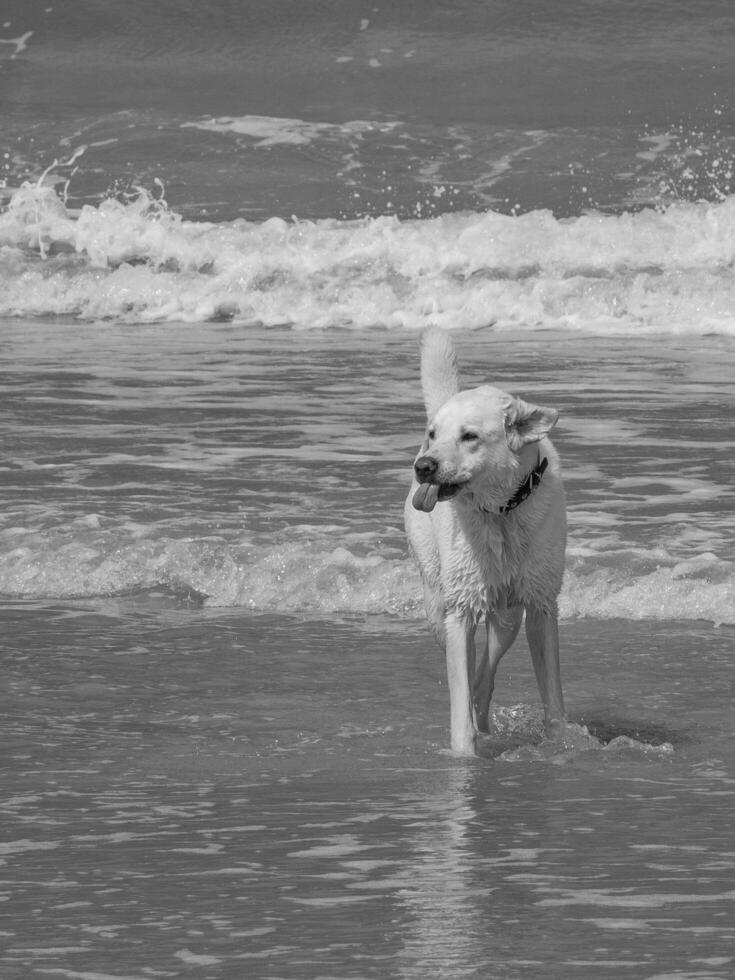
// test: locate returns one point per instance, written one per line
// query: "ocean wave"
(302, 574)
(136, 260)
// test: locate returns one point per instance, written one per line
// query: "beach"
(222, 231)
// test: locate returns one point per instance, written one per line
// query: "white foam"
(654, 271)
(274, 130)
(659, 144)
(19, 43)
(699, 588)
(265, 130)
(303, 571)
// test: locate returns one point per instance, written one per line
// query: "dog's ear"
(526, 423)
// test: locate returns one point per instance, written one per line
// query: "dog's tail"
(439, 371)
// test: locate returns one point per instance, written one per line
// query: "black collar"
(525, 490)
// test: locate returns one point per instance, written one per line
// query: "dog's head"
(474, 445)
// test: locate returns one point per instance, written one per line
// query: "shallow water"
(267, 469)
(225, 722)
(264, 789)
(186, 791)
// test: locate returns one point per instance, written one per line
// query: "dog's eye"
(431, 433)
(470, 437)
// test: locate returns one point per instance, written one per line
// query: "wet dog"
(486, 523)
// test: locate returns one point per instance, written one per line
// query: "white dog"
(486, 523)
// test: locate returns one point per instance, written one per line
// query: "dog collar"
(525, 490)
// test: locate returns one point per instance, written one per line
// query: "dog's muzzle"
(430, 492)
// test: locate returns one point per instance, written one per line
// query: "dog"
(486, 524)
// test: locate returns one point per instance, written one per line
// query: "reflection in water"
(443, 890)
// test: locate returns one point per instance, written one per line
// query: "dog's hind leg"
(542, 631)
(459, 632)
(502, 628)
(435, 613)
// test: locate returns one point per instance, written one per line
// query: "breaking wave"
(136, 260)
(315, 574)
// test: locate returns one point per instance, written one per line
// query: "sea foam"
(303, 573)
(138, 261)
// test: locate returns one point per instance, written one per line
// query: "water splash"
(136, 260)
(307, 572)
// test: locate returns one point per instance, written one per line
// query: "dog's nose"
(425, 467)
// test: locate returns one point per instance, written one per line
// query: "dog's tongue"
(425, 497)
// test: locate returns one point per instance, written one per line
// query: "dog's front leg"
(542, 631)
(459, 630)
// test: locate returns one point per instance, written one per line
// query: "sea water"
(225, 722)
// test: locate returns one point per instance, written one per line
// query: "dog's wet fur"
(479, 561)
